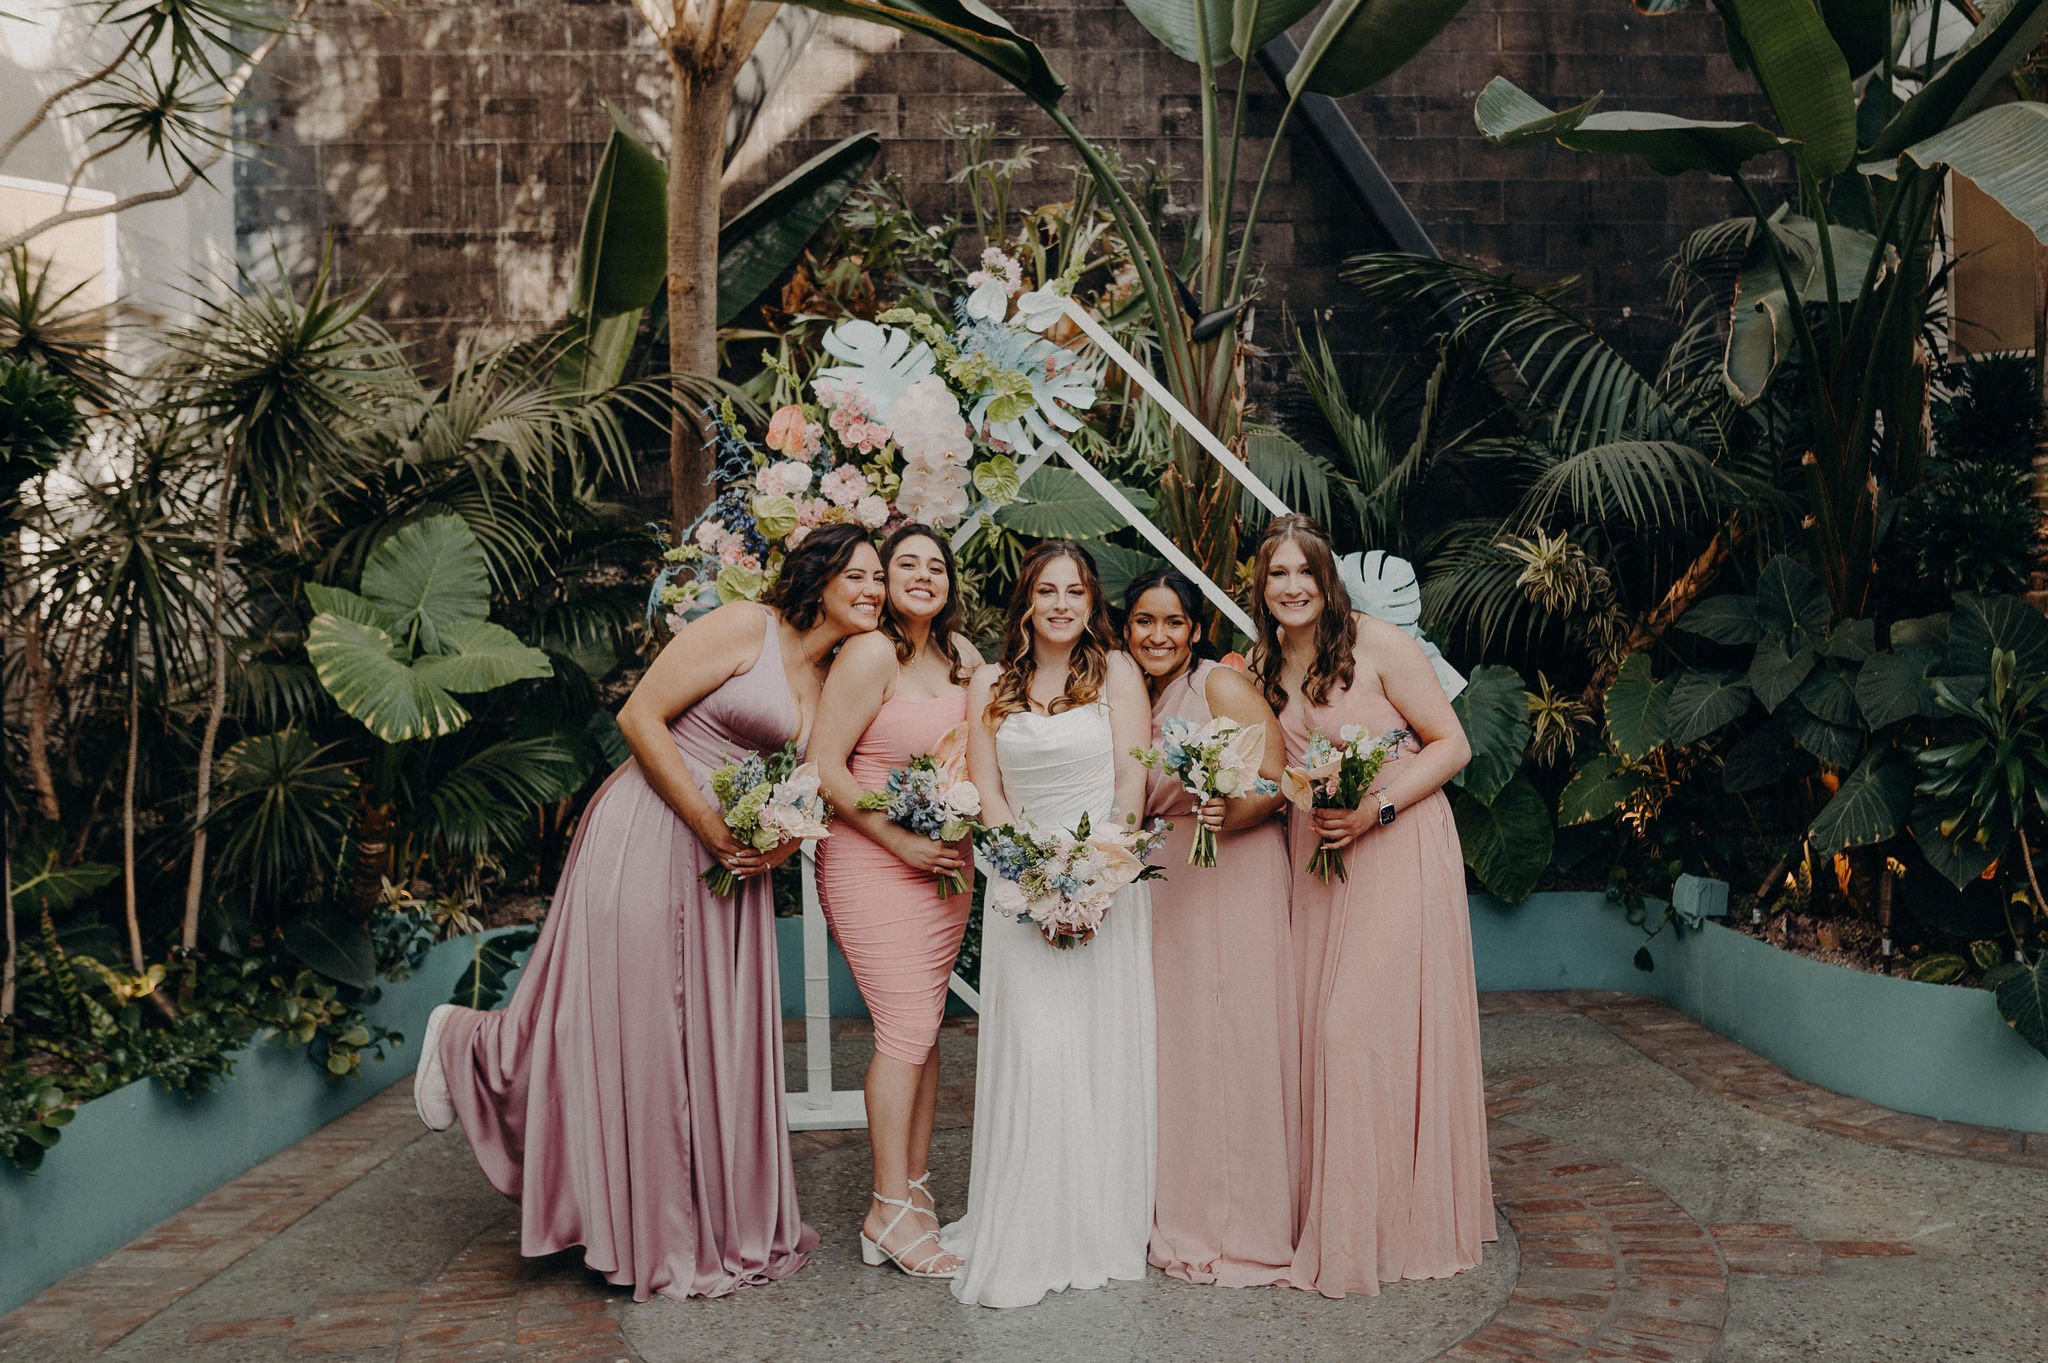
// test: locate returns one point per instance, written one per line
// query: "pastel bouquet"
(1336, 775)
(767, 799)
(932, 797)
(1064, 883)
(1219, 758)
(910, 417)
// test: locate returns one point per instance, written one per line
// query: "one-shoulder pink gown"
(1394, 1180)
(630, 1093)
(898, 936)
(1229, 1039)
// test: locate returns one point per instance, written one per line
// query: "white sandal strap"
(922, 1269)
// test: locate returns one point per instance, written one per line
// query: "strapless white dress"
(1065, 1104)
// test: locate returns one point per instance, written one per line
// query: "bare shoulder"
(966, 652)
(984, 678)
(734, 626)
(1123, 668)
(1226, 688)
(870, 651)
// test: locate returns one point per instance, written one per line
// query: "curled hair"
(952, 616)
(1334, 664)
(1185, 591)
(799, 589)
(1087, 667)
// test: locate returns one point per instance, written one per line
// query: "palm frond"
(485, 801)
(1646, 484)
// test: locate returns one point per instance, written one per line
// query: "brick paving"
(1611, 1267)
(1725, 1069)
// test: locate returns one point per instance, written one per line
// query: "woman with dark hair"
(630, 1094)
(893, 696)
(1394, 1182)
(1061, 1185)
(1223, 973)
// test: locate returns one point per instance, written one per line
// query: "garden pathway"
(1665, 1195)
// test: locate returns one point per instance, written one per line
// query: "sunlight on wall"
(838, 52)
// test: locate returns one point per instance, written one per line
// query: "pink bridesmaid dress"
(1229, 1039)
(898, 936)
(629, 1096)
(1394, 1180)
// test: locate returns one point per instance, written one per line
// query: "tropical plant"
(1196, 312)
(1833, 297)
(172, 73)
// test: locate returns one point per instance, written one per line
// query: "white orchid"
(1040, 308)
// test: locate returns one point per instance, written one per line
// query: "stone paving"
(1665, 1196)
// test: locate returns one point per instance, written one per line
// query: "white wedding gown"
(1065, 1108)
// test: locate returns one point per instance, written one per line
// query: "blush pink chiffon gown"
(1394, 1179)
(898, 935)
(1229, 1039)
(629, 1096)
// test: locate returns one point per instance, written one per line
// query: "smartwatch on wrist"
(1387, 810)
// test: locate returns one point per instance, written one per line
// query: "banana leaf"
(1508, 117)
(1358, 43)
(761, 240)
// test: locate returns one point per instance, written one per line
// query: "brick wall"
(451, 146)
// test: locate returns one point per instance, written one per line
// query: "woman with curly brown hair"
(1394, 1181)
(1061, 1188)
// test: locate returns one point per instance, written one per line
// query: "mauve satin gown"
(1394, 1180)
(1229, 1038)
(629, 1096)
(898, 936)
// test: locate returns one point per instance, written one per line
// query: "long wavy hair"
(1087, 668)
(799, 589)
(1336, 629)
(951, 617)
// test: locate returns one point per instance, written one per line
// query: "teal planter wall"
(138, 1154)
(1932, 1049)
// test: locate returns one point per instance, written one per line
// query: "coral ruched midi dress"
(630, 1093)
(898, 935)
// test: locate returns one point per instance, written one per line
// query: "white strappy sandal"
(874, 1255)
(923, 1184)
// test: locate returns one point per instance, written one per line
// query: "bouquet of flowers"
(1064, 883)
(933, 797)
(767, 799)
(1337, 776)
(909, 416)
(1220, 758)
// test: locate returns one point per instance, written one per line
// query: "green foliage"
(2022, 991)
(482, 985)
(1507, 842)
(1493, 709)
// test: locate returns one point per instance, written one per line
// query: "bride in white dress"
(1060, 1194)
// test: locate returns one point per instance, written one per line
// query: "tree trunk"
(203, 805)
(2040, 582)
(128, 900)
(1684, 594)
(36, 674)
(373, 858)
(7, 909)
(696, 159)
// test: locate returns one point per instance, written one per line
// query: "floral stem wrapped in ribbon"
(1219, 759)
(767, 799)
(933, 797)
(1337, 776)
(1064, 883)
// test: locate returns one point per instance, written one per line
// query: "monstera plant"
(1837, 283)
(397, 656)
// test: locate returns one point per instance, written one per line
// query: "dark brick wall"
(451, 146)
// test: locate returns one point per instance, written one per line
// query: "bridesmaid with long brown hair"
(1223, 976)
(891, 697)
(630, 1095)
(1394, 1180)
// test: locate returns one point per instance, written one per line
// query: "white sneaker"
(430, 1095)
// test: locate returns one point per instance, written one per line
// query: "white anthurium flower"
(990, 301)
(1041, 308)
(882, 362)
